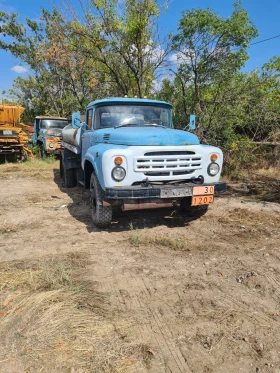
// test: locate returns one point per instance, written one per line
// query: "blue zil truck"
(130, 157)
(47, 134)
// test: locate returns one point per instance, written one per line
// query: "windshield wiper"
(154, 125)
(141, 125)
(127, 124)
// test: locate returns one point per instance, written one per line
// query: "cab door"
(36, 130)
(87, 137)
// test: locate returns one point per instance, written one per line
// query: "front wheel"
(194, 212)
(43, 153)
(101, 215)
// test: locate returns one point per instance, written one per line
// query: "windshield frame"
(49, 126)
(134, 113)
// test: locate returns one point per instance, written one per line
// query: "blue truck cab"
(47, 134)
(129, 155)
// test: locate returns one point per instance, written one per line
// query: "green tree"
(210, 51)
(61, 79)
(113, 50)
(123, 43)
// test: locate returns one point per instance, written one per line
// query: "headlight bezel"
(209, 169)
(116, 179)
(51, 145)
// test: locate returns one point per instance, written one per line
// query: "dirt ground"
(157, 292)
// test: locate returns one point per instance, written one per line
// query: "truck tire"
(101, 215)
(61, 169)
(67, 174)
(43, 153)
(69, 178)
(194, 212)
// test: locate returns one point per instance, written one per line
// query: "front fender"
(42, 140)
(94, 155)
(34, 138)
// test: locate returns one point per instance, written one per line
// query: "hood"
(145, 136)
(51, 132)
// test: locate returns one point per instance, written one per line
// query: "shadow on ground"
(122, 221)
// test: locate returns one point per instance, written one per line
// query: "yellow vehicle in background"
(13, 139)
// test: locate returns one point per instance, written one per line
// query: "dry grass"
(255, 220)
(254, 173)
(30, 164)
(42, 274)
(53, 320)
(143, 237)
(38, 168)
(250, 218)
(271, 172)
(261, 183)
(8, 228)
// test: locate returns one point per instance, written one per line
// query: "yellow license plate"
(203, 190)
(202, 200)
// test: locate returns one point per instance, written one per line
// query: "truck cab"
(47, 134)
(13, 139)
(129, 155)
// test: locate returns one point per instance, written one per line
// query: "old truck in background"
(13, 137)
(47, 134)
(130, 157)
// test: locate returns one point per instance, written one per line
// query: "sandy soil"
(190, 296)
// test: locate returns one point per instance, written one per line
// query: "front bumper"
(54, 151)
(11, 148)
(159, 191)
(56, 141)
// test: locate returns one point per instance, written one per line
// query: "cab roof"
(48, 117)
(128, 100)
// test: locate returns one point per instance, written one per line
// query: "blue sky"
(265, 16)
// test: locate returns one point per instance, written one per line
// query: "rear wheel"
(61, 169)
(67, 174)
(69, 178)
(101, 215)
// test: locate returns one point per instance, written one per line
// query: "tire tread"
(102, 217)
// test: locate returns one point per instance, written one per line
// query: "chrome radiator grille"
(167, 163)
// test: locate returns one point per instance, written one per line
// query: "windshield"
(53, 123)
(137, 115)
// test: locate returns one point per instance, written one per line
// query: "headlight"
(118, 173)
(51, 145)
(213, 169)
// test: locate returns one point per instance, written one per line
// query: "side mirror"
(191, 125)
(192, 122)
(76, 120)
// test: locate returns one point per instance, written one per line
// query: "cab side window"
(89, 119)
(37, 124)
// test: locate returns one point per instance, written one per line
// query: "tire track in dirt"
(122, 307)
(178, 311)
(130, 304)
(167, 313)
(165, 332)
(151, 325)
